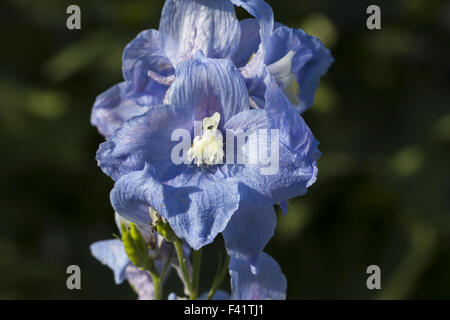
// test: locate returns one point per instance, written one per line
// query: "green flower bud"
(136, 247)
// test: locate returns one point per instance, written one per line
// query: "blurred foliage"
(381, 114)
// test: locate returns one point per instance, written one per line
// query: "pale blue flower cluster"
(255, 74)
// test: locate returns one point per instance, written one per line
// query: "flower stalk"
(178, 243)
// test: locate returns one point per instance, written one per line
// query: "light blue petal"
(141, 55)
(141, 281)
(129, 197)
(262, 11)
(253, 119)
(144, 139)
(206, 86)
(188, 26)
(112, 253)
(310, 62)
(298, 152)
(203, 207)
(198, 205)
(249, 43)
(110, 110)
(249, 230)
(269, 283)
(295, 134)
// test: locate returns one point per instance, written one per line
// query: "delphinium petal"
(310, 61)
(262, 11)
(189, 26)
(298, 153)
(141, 281)
(143, 54)
(110, 110)
(112, 253)
(249, 42)
(269, 283)
(248, 232)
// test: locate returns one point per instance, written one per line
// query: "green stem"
(182, 262)
(156, 282)
(197, 255)
(166, 265)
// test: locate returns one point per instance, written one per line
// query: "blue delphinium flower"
(205, 65)
(198, 201)
(296, 59)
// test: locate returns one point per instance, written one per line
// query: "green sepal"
(136, 247)
(162, 226)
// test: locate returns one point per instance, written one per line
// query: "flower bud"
(136, 247)
(162, 226)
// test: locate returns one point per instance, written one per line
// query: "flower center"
(207, 149)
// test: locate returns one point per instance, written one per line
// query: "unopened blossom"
(112, 253)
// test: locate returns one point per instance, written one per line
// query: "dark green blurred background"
(382, 115)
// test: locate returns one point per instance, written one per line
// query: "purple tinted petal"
(141, 281)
